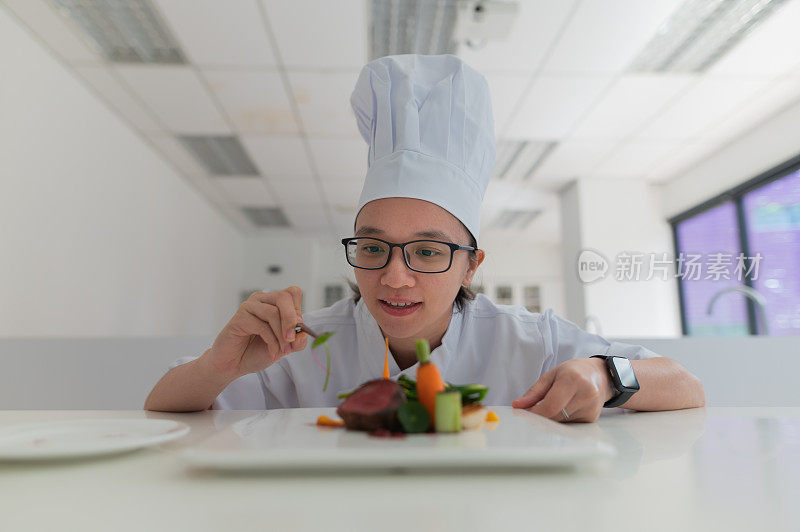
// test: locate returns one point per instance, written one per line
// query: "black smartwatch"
(623, 379)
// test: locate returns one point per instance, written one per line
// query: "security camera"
(479, 21)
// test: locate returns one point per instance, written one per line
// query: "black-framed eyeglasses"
(424, 256)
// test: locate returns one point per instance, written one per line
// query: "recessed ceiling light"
(124, 31)
(700, 33)
(219, 155)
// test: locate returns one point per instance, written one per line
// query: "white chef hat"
(428, 122)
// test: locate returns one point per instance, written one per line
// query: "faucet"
(593, 319)
(756, 297)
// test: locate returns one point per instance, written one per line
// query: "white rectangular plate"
(290, 439)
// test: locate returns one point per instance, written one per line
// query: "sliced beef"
(372, 406)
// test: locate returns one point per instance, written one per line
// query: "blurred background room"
(160, 160)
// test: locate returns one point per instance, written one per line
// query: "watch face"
(624, 369)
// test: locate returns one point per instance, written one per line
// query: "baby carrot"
(429, 380)
(325, 421)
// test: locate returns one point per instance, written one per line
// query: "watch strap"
(622, 396)
(618, 399)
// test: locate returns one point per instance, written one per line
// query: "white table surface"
(696, 469)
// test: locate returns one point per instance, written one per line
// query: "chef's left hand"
(579, 386)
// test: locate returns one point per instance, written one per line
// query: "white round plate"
(84, 437)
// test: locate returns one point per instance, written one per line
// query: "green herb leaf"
(321, 339)
(414, 417)
(328, 364)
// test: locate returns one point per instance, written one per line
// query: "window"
(699, 239)
(756, 227)
(772, 216)
(504, 295)
(532, 300)
(333, 293)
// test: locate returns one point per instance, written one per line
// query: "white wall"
(514, 262)
(617, 216)
(99, 236)
(305, 261)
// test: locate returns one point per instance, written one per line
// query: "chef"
(429, 126)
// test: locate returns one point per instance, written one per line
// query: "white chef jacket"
(506, 348)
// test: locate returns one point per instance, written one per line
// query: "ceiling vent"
(219, 155)
(266, 216)
(124, 31)
(412, 27)
(700, 33)
(518, 219)
(519, 159)
(435, 27)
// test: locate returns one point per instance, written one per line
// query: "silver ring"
(566, 416)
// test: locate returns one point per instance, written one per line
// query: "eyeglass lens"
(424, 256)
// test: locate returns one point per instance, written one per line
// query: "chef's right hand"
(270, 319)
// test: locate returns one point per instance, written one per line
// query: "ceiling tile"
(506, 91)
(702, 105)
(324, 102)
(296, 191)
(340, 157)
(342, 193)
(177, 96)
(255, 100)
(758, 108)
(629, 104)
(634, 159)
(63, 37)
(110, 89)
(554, 104)
(245, 191)
(307, 218)
(504, 195)
(320, 33)
(605, 35)
(571, 159)
(771, 49)
(214, 33)
(278, 156)
(537, 25)
(672, 165)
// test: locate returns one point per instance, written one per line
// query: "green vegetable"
(448, 411)
(423, 350)
(320, 340)
(409, 387)
(470, 393)
(414, 417)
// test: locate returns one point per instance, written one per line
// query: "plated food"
(428, 404)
